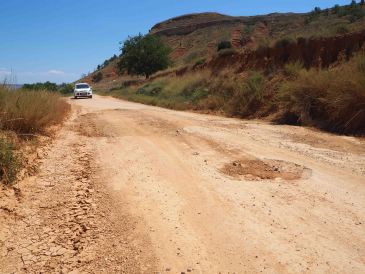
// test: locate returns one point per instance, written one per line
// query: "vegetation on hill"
(224, 45)
(196, 37)
(97, 77)
(143, 55)
(107, 62)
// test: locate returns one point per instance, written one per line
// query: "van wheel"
(75, 97)
(90, 96)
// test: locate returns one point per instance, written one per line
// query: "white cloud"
(4, 71)
(55, 72)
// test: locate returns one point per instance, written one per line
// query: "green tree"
(224, 45)
(41, 86)
(317, 10)
(65, 88)
(97, 77)
(336, 9)
(143, 55)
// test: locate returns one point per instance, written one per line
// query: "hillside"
(288, 68)
(195, 36)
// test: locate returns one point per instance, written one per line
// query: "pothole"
(265, 169)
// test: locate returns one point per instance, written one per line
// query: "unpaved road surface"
(129, 188)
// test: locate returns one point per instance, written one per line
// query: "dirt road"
(132, 188)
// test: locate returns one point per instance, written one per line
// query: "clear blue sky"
(59, 40)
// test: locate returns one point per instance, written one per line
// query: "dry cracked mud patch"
(62, 221)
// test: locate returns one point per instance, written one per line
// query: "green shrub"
(150, 89)
(97, 77)
(144, 55)
(292, 70)
(199, 62)
(248, 30)
(190, 57)
(41, 86)
(354, 12)
(224, 45)
(227, 52)
(66, 88)
(247, 99)
(317, 10)
(336, 9)
(342, 29)
(284, 42)
(9, 164)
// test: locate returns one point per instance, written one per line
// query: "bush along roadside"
(24, 115)
(9, 162)
(331, 99)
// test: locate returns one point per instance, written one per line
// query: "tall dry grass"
(24, 113)
(175, 92)
(332, 99)
(9, 162)
(28, 112)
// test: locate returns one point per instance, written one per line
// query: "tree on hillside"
(224, 45)
(362, 2)
(336, 9)
(143, 55)
(317, 10)
(97, 77)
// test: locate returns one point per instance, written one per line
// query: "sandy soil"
(138, 189)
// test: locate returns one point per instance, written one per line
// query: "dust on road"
(150, 189)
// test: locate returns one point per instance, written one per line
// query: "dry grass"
(330, 99)
(29, 112)
(200, 90)
(25, 114)
(9, 162)
(176, 92)
(292, 70)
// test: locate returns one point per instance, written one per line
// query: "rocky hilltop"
(195, 35)
(186, 24)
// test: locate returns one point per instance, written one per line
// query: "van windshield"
(82, 86)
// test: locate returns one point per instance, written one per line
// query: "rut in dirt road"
(133, 188)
